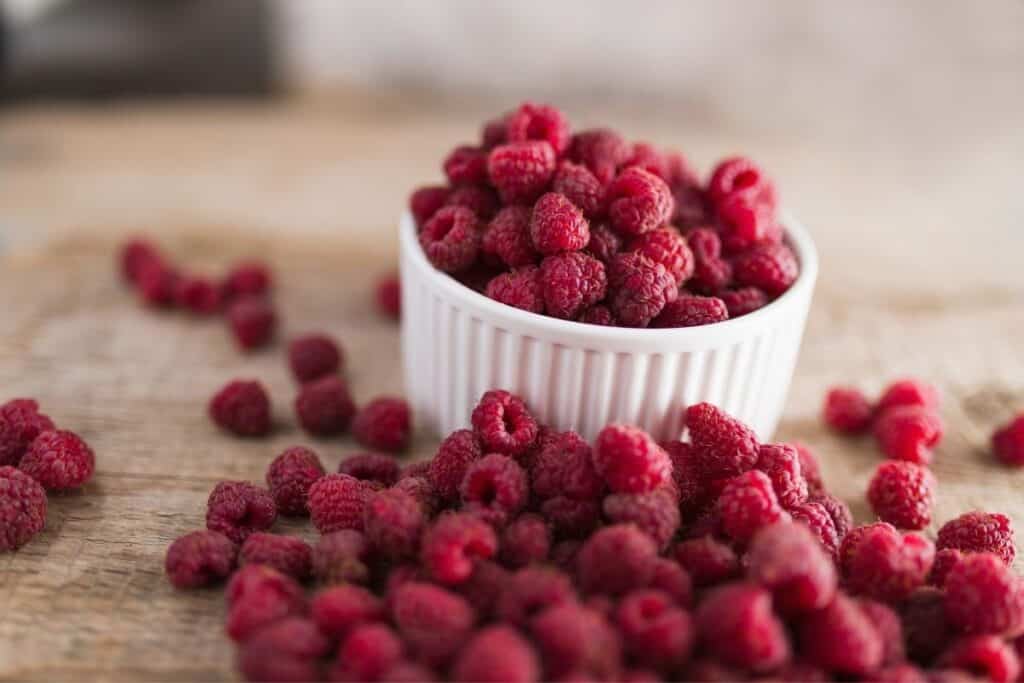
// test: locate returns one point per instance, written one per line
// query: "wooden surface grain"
(918, 278)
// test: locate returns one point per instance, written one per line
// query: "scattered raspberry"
(711, 273)
(532, 590)
(288, 650)
(983, 595)
(539, 122)
(629, 460)
(882, 564)
(571, 283)
(771, 268)
(604, 243)
(654, 630)
(257, 596)
(199, 559)
(388, 295)
(383, 424)
(287, 554)
(198, 294)
(638, 202)
(743, 300)
(289, 477)
(889, 628)
(371, 467)
(312, 356)
(667, 247)
(392, 522)
(238, 508)
(815, 517)
(565, 467)
(157, 283)
(574, 639)
(979, 532)
(521, 170)
(253, 322)
(433, 621)
(242, 407)
(909, 392)
(616, 559)
(787, 560)
(525, 541)
(724, 446)
(495, 488)
(841, 639)
(557, 225)
(426, 201)
(1008, 442)
(134, 255)
(466, 165)
(451, 461)
(748, 503)
(20, 423)
(520, 288)
(497, 654)
(902, 493)
(781, 462)
(59, 460)
(581, 187)
(908, 433)
(451, 239)
(482, 201)
(341, 557)
(736, 625)
(503, 424)
(337, 501)
(655, 513)
(454, 543)
(367, 653)
(945, 560)
(251, 278)
(507, 237)
(847, 410)
(987, 657)
(842, 518)
(670, 577)
(601, 150)
(639, 289)
(324, 406)
(707, 560)
(339, 609)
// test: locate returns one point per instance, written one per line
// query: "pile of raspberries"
(35, 457)
(519, 553)
(586, 226)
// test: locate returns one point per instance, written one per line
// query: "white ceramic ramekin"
(457, 344)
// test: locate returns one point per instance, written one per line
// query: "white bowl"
(457, 344)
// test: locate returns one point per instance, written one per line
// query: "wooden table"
(920, 276)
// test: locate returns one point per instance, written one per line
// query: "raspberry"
(388, 295)
(480, 200)
(737, 626)
(571, 283)
(638, 202)
(484, 586)
(655, 513)
(707, 561)
(1008, 442)
(616, 559)
(503, 424)
(787, 560)
(945, 560)
(392, 521)
(495, 488)
(287, 554)
(810, 468)
(839, 511)
(367, 653)
(667, 247)
(748, 503)
(671, 578)
(604, 243)
(249, 278)
(452, 545)
(495, 131)
(691, 311)
(408, 672)
(629, 460)
(466, 165)
(902, 493)
(157, 283)
(253, 322)
(889, 628)
(747, 218)
(289, 650)
(497, 654)
(383, 424)
(925, 629)
(434, 622)
(984, 596)
(341, 557)
(525, 541)
(816, 518)
(771, 268)
(422, 491)
(987, 657)
(977, 532)
(638, 289)
(257, 596)
(649, 158)
(451, 239)
(371, 467)
(565, 467)
(597, 315)
(425, 202)
(520, 288)
(887, 566)
(289, 477)
(415, 470)
(59, 460)
(781, 463)
(847, 410)
(337, 501)
(199, 559)
(569, 517)
(557, 225)
(656, 632)
(339, 609)
(539, 122)
(724, 446)
(909, 392)
(20, 423)
(507, 237)
(732, 175)
(312, 356)
(453, 458)
(849, 544)
(908, 433)
(197, 294)
(532, 590)
(573, 638)
(521, 171)
(238, 508)
(134, 255)
(901, 673)
(841, 639)
(324, 406)
(743, 300)
(581, 187)
(685, 471)
(710, 271)
(601, 150)
(242, 407)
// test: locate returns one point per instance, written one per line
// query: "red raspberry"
(655, 631)
(339, 609)
(521, 170)
(59, 460)
(565, 467)
(748, 503)
(482, 201)
(495, 488)
(901, 673)
(383, 424)
(388, 295)
(576, 639)
(371, 467)
(425, 202)
(392, 521)
(810, 468)
(249, 278)
(724, 446)
(495, 131)
(571, 283)
(466, 165)
(638, 202)
(842, 639)
(287, 554)
(667, 247)
(497, 654)
(337, 501)
(453, 458)
(253, 322)
(409, 672)
(925, 629)
(20, 423)
(415, 470)
(556, 225)
(745, 199)
(849, 544)
(691, 311)
(199, 559)
(772, 268)
(886, 566)
(890, 630)
(569, 517)
(691, 205)
(604, 243)
(671, 578)
(484, 586)
(711, 272)
(324, 406)
(781, 463)
(581, 187)
(525, 541)
(198, 294)
(1008, 442)
(909, 392)
(340, 557)
(289, 477)
(736, 625)
(157, 283)
(648, 157)
(422, 491)
(988, 657)
(908, 433)
(451, 239)
(743, 300)
(289, 650)
(707, 561)
(238, 508)
(685, 471)
(134, 255)
(655, 513)
(563, 554)
(601, 150)
(520, 288)
(615, 560)
(638, 289)
(257, 596)
(847, 410)
(978, 532)
(597, 315)
(842, 518)
(434, 622)
(503, 424)
(903, 494)
(530, 591)
(454, 543)
(369, 652)
(507, 237)
(816, 518)
(629, 460)
(945, 560)
(539, 122)
(312, 356)
(242, 407)
(983, 595)
(787, 560)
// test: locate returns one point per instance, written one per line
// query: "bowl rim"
(571, 331)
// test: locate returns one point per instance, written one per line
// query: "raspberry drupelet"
(22, 508)
(979, 532)
(571, 283)
(289, 478)
(452, 545)
(324, 406)
(847, 410)
(903, 494)
(243, 408)
(198, 559)
(503, 423)
(20, 423)
(1008, 442)
(312, 356)
(629, 460)
(253, 322)
(238, 508)
(383, 424)
(451, 239)
(59, 460)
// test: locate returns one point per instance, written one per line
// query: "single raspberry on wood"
(908, 433)
(903, 494)
(574, 638)
(451, 239)
(771, 268)
(565, 467)
(369, 652)
(616, 559)
(253, 321)
(1008, 442)
(288, 650)
(781, 462)
(425, 201)
(503, 423)
(453, 457)
(638, 201)
(324, 406)
(287, 554)
(847, 410)
(885, 565)
(248, 278)
(639, 289)
(748, 503)
(909, 392)
(452, 545)
(392, 521)
(539, 122)
(736, 625)
(521, 288)
(238, 508)
(602, 150)
(495, 488)
(312, 356)
(532, 590)
(59, 460)
(557, 225)
(22, 508)
(788, 560)
(654, 629)
(257, 596)
(526, 540)
(433, 621)
(242, 407)
(841, 639)
(341, 557)
(506, 238)
(988, 657)
(743, 300)
(497, 654)
(669, 248)
(383, 424)
(20, 423)
(724, 446)
(521, 171)
(466, 165)
(707, 560)
(655, 513)
(979, 532)
(983, 595)
(337, 501)
(371, 467)
(581, 187)
(629, 460)
(482, 201)
(388, 295)
(289, 477)
(339, 609)
(570, 283)
(198, 559)
(198, 295)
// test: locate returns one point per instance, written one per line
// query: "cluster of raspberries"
(519, 553)
(35, 457)
(586, 226)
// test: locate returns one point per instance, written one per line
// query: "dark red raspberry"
(532, 590)
(497, 654)
(788, 560)
(839, 511)
(724, 446)
(257, 596)
(557, 225)
(520, 288)
(539, 122)
(422, 491)
(945, 560)
(482, 201)
(815, 517)
(242, 407)
(312, 356)
(425, 202)
(1008, 442)
(466, 165)
(525, 541)
(388, 295)
(781, 462)
(563, 554)
(199, 559)
(198, 294)
(711, 272)
(451, 239)
(340, 557)
(59, 460)
(576, 640)
(979, 532)
(654, 629)
(238, 508)
(495, 131)
(638, 289)
(581, 187)
(736, 625)
(847, 410)
(909, 392)
(521, 170)
(885, 565)
(629, 460)
(601, 150)
(409, 672)
(685, 471)
(691, 311)
(615, 560)
(570, 517)
(651, 159)
(392, 522)
(597, 315)
(903, 494)
(253, 321)
(339, 609)
(810, 468)
(841, 639)
(771, 268)
(570, 283)
(288, 650)
(983, 595)
(134, 255)
(565, 467)
(743, 300)
(908, 433)
(507, 237)
(324, 406)
(748, 503)
(707, 560)
(503, 424)
(369, 652)
(289, 477)
(337, 501)
(453, 457)
(925, 629)
(484, 586)
(413, 470)
(454, 543)
(495, 489)
(671, 578)
(287, 554)
(667, 247)
(371, 467)
(890, 630)
(434, 622)
(383, 424)
(249, 278)
(604, 243)
(20, 423)
(638, 202)
(655, 513)
(988, 657)
(157, 283)
(22, 508)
